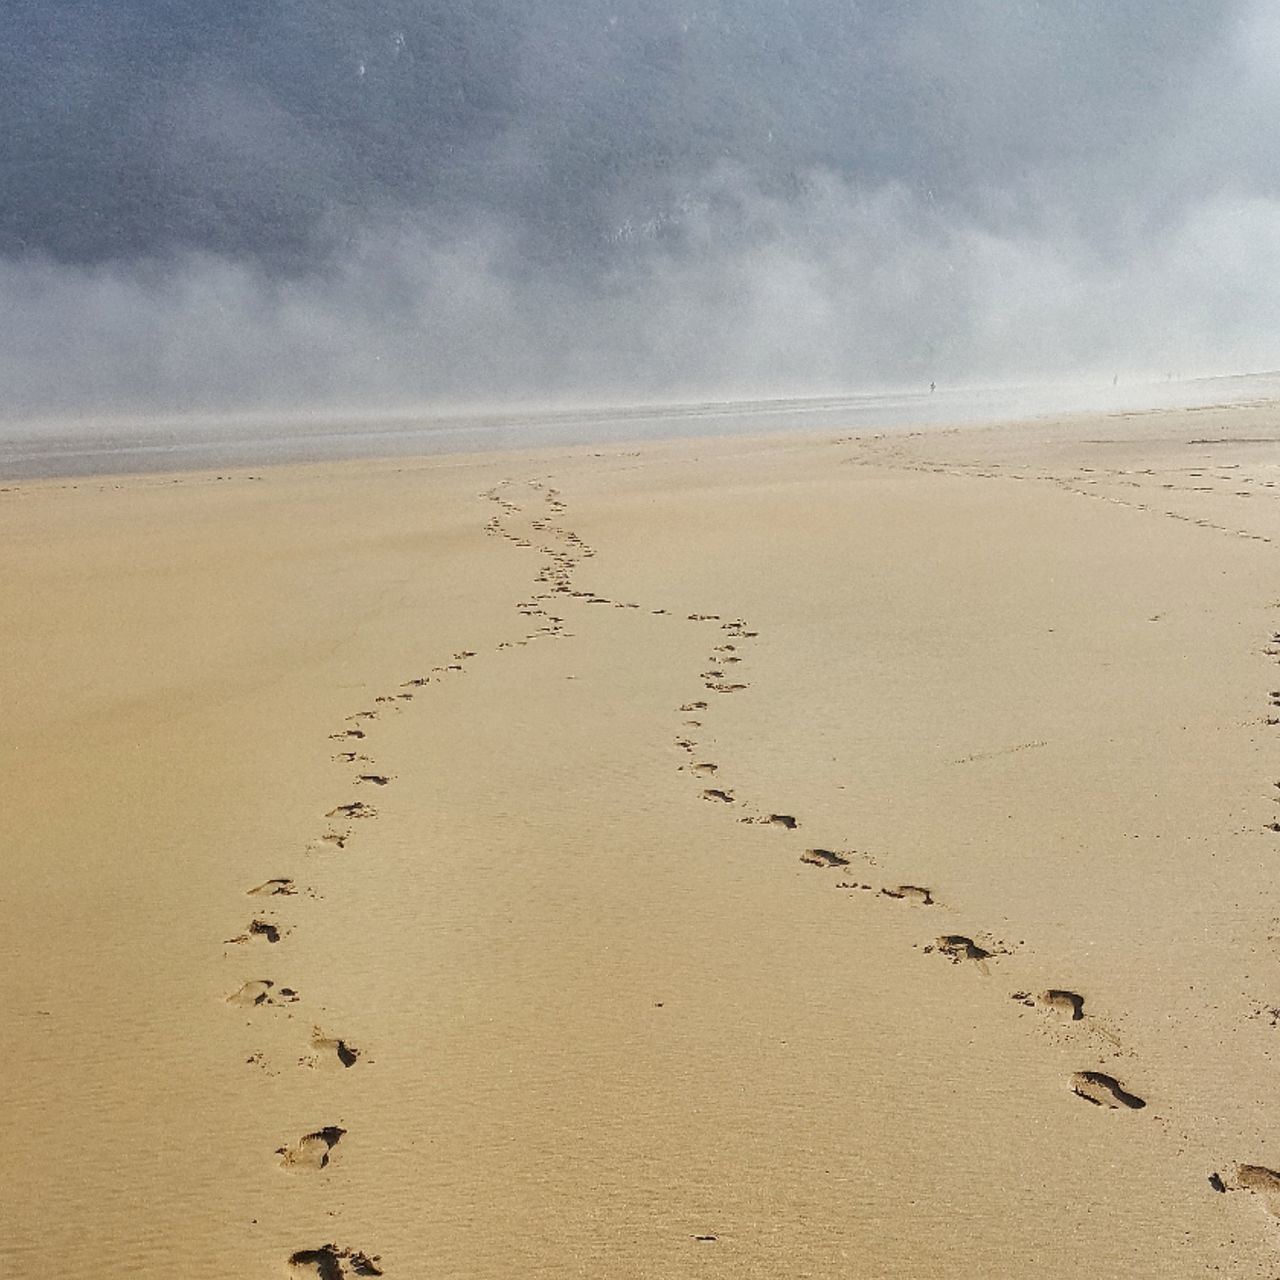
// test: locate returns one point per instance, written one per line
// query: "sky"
(365, 203)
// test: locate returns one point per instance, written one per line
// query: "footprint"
(329, 1262)
(311, 1151)
(703, 768)
(714, 793)
(824, 858)
(349, 733)
(378, 779)
(330, 1050)
(1104, 1091)
(258, 929)
(717, 686)
(956, 947)
(1265, 1182)
(262, 991)
(912, 893)
(356, 809)
(694, 706)
(1067, 1003)
(783, 820)
(280, 885)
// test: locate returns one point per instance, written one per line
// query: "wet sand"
(841, 855)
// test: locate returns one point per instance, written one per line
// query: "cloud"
(384, 204)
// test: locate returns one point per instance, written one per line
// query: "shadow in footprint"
(282, 885)
(331, 1051)
(957, 948)
(311, 1151)
(1067, 1003)
(910, 893)
(356, 809)
(262, 991)
(329, 1262)
(1104, 1091)
(824, 858)
(1261, 1181)
(258, 929)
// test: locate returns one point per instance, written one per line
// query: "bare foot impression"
(1105, 1091)
(329, 1262)
(714, 793)
(956, 947)
(910, 893)
(331, 1051)
(824, 858)
(1067, 1003)
(280, 885)
(311, 1151)
(266, 929)
(1263, 1182)
(262, 991)
(356, 809)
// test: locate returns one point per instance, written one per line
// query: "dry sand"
(544, 992)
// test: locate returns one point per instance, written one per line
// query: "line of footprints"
(554, 592)
(721, 677)
(1099, 1088)
(351, 746)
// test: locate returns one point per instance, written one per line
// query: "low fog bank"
(365, 204)
(832, 290)
(80, 445)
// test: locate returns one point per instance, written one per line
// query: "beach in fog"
(640, 640)
(842, 853)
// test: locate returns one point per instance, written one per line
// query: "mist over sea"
(159, 443)
(333, 208)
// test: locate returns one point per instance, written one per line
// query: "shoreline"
(234, 441)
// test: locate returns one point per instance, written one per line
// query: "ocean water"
(117, 445)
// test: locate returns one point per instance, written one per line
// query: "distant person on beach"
(933, 386)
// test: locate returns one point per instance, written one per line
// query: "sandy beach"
(803, 856)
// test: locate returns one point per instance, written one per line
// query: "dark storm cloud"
(384, 201)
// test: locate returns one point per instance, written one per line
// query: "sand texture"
(758, 858)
